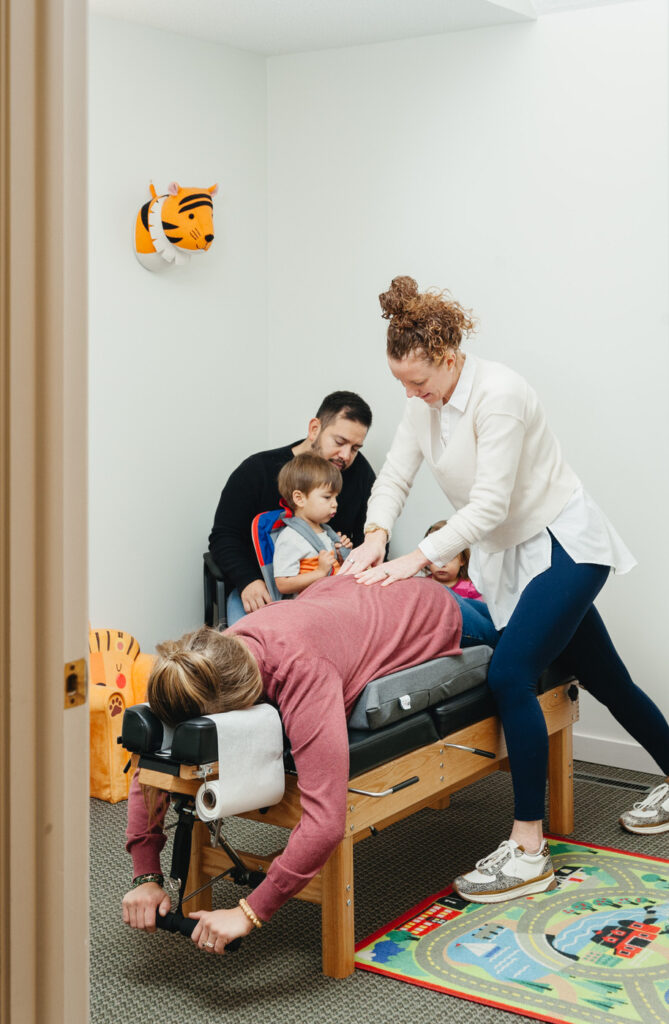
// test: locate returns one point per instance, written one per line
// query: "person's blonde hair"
(305, 473)
(203, 673)
(465, 554)
(423, 323)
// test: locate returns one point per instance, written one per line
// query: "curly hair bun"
(401, 291)
(430, 322)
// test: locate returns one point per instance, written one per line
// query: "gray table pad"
(403, 693)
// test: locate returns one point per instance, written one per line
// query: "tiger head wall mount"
(171, 227)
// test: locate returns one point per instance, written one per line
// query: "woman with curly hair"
(541, 551)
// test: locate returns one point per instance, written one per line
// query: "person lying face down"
(312, 657)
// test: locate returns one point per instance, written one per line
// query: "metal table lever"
(386, 792)
(471, 750)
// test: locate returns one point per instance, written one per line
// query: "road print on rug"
(594, 951)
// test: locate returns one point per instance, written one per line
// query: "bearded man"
(337, 432)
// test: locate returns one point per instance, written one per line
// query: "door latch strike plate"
(76, 678)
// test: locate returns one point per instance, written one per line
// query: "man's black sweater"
(252, 488)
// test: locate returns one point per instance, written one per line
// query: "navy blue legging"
(556, 616)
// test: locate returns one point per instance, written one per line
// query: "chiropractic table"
(415, 738)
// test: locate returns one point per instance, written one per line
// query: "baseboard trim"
(616, 753)
(605, 780)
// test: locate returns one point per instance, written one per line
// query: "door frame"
(43, 530)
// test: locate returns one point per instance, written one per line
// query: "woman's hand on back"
(402, 568)
(371, 552)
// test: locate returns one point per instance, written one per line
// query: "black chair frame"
(215, 613)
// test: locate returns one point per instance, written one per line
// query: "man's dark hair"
(346, 404)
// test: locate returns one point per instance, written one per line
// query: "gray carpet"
(275, 978)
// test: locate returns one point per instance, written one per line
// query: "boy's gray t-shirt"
(291, 548)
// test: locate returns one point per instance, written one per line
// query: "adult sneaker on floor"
(651, 814)
(507, 873)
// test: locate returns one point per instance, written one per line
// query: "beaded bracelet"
(253, 918)
(152, 877)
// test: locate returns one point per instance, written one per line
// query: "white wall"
(525, 168)
(179, 360)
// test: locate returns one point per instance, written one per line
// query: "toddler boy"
(309, 486)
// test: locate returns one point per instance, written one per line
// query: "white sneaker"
(651, 814)
(507, 873)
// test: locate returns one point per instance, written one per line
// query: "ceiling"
(273, 27)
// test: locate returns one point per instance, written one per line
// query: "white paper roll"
(250, 764)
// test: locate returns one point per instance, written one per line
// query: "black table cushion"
(196, 741)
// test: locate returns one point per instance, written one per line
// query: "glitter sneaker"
(507, 873)
(650, 814)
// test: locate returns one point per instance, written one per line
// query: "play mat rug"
(594, 951)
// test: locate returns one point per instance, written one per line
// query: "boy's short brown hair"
(305, 473)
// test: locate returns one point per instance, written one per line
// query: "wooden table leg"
(561, 782)
(337, 923)
(196, 876)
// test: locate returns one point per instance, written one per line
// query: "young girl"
(455, 574)
(311, 657)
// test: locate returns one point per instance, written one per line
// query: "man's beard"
(339, 463)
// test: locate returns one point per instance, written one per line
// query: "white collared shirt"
(452, 411)
(581, 528)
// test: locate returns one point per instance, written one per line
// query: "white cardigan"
(502, 469)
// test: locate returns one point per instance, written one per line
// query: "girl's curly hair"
(430, 322)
